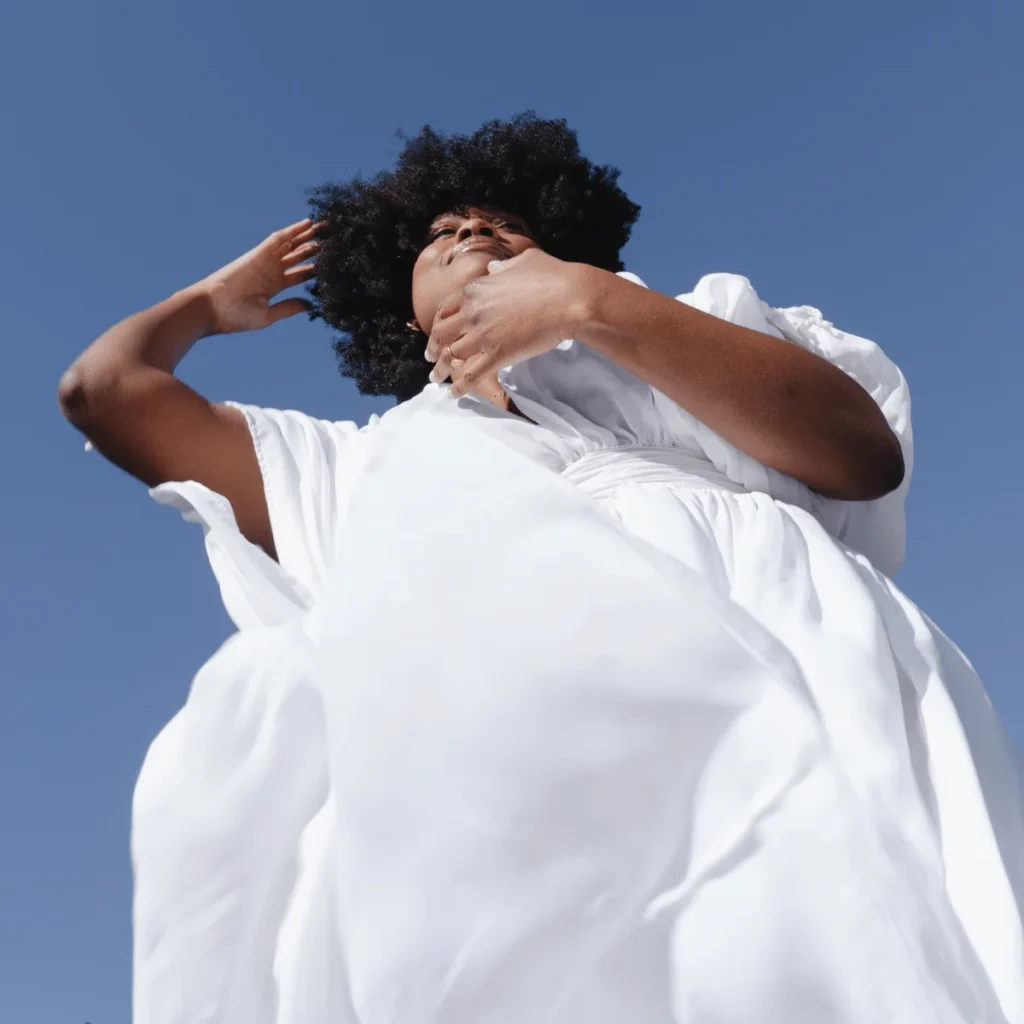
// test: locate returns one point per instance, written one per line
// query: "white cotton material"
(591, 718)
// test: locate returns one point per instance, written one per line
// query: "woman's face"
(458, 249)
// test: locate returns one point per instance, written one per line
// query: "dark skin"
(459, 247)
(486, 296)
(786, 407)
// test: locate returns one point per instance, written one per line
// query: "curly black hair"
(374, 230)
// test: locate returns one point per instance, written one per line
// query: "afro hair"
(374, 230)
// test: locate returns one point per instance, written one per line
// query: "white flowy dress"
(586, 719)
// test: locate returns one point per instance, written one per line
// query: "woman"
(573, 688)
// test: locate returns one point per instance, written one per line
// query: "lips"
(484, 245)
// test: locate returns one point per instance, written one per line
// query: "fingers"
(470, 374)
(286, 308)
(444, 332)
(292, 242)
(443, 369)
(301, 252)
(447, 326)
(295, 234)
(285, 235)
(449, 346)
(311, 231)
(466, 361)
(443, 359)
(500, 266)
(450, 305)
(298, 275)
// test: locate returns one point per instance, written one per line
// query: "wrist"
(590, 305)
(162, 336)
(198, 303)
(583, 287)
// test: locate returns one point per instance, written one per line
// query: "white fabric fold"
(587, 718)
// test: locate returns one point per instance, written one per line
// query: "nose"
(475, 226)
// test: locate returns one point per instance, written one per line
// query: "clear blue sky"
(866, 159)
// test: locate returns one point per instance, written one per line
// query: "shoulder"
(287, 439)
(730, 297)
(308, 467)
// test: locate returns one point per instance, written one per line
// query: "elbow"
(874, 467)
(892, 470)
(80, 393)
(71, 395)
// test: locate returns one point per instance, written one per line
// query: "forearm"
(131, 361)
(786, 407)
(158, 337)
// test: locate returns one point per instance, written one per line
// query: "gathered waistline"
(605, 470)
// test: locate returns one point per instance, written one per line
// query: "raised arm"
(784, 406)
(788, 408)
(121, 392)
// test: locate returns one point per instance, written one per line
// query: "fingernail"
(433, 376)
(426, 355)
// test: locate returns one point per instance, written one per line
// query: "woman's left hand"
(523, 307)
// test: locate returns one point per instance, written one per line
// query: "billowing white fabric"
(592, 718)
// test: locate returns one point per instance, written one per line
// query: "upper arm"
(862, 389)
(876, 528)
(158, 429)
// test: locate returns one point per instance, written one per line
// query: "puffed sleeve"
(877, 529)
(309, 467)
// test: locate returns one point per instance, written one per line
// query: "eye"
(440, 233)
(512, 225)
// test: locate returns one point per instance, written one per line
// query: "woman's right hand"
(240, 294)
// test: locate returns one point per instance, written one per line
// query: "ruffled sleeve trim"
(308, 467)
(255, 589)
(876, 529)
